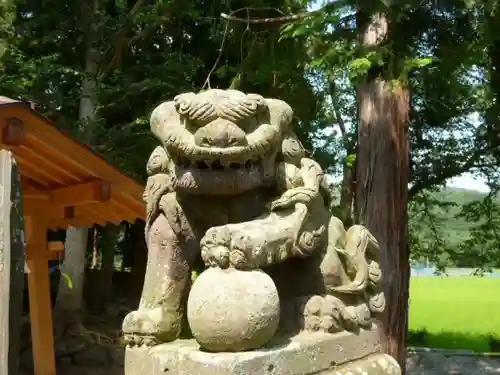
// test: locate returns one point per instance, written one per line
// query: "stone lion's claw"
(149, 341)
(217, 256)
(238, 259)
(222, 256)
(132, 341)
(204, 255)
(127, 340)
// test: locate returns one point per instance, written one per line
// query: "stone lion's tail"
(362, 254)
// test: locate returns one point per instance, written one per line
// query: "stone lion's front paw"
(151, 326)
(215, 247)
(223, 257)
(215, 256)
(218, 250)
(234, 245)
(245, 252)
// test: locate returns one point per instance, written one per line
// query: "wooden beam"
(39, 168)
(60, 217)
(99, 217)
(134, 207)
(30, 183)
(40, 177)
(66, 223)
(42, 137)
(39, 207)
(42, 333)
(11, 263)
(56, 250)
(13, 133)
(107, 212)
(74, 195)
(55, 246)
(40, 132)
(32, 194)
(41, 160)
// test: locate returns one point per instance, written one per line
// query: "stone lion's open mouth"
(222, 170)
(218, 164)
(219, 176)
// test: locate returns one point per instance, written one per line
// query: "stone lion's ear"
(183, 102)
(256, 101)
(280, 113)
(162, 116)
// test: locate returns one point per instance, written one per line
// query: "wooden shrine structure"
(64, 184)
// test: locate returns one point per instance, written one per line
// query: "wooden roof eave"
(76, 185)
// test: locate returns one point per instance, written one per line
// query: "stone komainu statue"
(231, 185)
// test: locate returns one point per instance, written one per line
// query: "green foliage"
(147, 52)
(438, 49)
(448, 229)
(68, 279)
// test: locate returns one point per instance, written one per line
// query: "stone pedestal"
(303, 354)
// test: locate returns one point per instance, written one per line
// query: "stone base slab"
(304, 354)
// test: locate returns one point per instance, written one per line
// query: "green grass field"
(456, 312)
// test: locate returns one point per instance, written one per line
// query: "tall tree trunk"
(108, 243)
(382, 187)
(76, 238)
(493, 112)
(70, 297)
(96, 248)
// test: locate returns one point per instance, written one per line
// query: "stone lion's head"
(220, 142)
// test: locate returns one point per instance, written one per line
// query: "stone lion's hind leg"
(161, 310)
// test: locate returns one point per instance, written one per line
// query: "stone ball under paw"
(231, 310)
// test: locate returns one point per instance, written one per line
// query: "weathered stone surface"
(376, 364)
(305, 353)
(231, 187)
(481, 365)
(232, 310)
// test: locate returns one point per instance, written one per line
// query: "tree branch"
(269, 20)
(448, 173)
(121, 38)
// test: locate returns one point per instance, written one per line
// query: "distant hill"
(456, 229)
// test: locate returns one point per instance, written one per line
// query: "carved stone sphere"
(231, 310)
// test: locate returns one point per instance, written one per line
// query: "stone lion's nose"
(220, 133)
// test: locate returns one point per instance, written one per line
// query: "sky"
(469, 182)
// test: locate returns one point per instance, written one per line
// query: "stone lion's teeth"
(226, 163)
(184, 162)
(216, 164)
(202, 165)
(235, 166)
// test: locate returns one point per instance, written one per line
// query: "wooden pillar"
(11, 263)
(42, 333)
